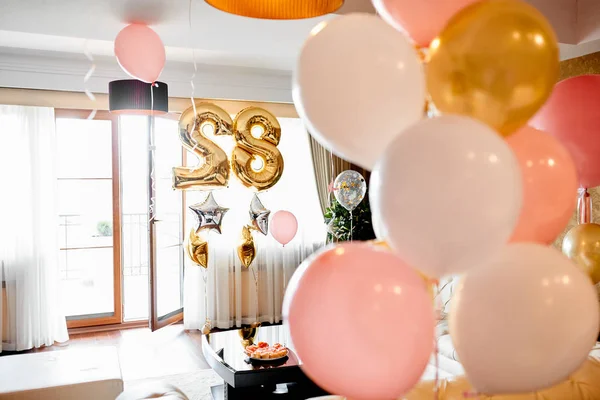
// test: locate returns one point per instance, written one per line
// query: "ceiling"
(42, 37)
(218, 38)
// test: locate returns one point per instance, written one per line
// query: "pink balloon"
(571, 115)
(361, 321)
(422, 20)
(284, 226)
(140, 52)
(549, 186)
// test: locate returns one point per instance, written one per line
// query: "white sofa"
(70, 374)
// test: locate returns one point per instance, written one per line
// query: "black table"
(224, 352)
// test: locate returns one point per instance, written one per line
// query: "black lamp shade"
(130, 96)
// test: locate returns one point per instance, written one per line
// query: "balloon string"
(205, 279)
(152, 149)
(195, 66)
(436, 355)
(256, 292)
(351, 225)
(584, 206)
(86, 79)
(331, 163)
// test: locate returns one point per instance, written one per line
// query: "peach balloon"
(361, 321)
(549, 185)
(284, 226)
(422, 20)
(140, 52)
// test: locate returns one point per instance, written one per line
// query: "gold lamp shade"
(277, 9)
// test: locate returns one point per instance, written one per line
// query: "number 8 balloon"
(249, 149)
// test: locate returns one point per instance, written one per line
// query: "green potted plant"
(338, 223)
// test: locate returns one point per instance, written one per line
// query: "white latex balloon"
(525, 321)
(447, 192)
(357, 84)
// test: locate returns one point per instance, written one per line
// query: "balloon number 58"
(255, 159)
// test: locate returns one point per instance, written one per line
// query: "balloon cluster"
(505, 191)
(256, 133)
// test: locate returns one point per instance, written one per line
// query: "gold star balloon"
(246, 249)
(209, 214)
(197, 249)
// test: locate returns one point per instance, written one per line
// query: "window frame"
(88, 320)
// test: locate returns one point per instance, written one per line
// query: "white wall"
(35, 69)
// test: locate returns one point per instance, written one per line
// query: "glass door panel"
(88, 218)
(168, 227)
(134, 191)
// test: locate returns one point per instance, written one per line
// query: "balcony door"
(116, 265)
(89, 220)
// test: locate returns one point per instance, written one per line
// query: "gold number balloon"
(582, 245)
(197, 249)
(496, 61)
(246, 249)
(213, 172)
(256, 161)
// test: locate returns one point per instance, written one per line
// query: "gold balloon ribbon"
(214, 171)
(496, 61)
(197, 249)
(582, 245)
(246, 249)
(249, 149)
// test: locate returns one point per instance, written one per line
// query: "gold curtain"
(322, 163)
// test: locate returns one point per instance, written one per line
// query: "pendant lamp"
(130, 96)
(277, 9)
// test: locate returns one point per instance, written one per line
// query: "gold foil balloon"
(582, 245)
(246, 249)
(197, 249)
(213, 169)
(255, 160)
(496, 61)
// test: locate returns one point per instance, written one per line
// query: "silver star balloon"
(259, 215)
(209, 214)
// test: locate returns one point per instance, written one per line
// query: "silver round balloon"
(349, 189)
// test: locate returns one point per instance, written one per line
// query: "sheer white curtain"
(230, 288)
(28, 230)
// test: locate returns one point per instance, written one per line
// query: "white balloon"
(448, 194)
(525, 321)
(357, 84)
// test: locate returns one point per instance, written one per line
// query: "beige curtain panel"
(327, 166)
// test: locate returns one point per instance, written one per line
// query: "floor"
(144, 354)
